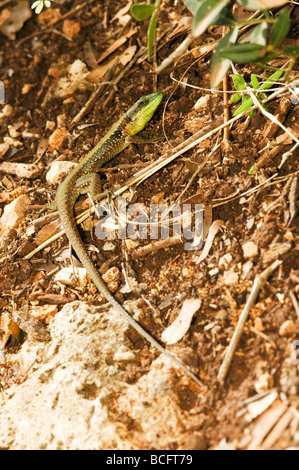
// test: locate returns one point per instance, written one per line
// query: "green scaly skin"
(84, 178)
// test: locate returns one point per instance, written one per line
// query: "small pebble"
(188, 272)
(230, 277)
(225, 260)
(111, 275)
(288, 328)
(57, 139)
(250, 250)
(14, 213)
(263, 383)
(58, 170)
(195, 441)
(71, 28)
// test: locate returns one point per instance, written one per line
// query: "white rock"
(230, 277)
(6, 111)
(213, 272)
(250, 223)
(64, 401)
(124, 354)
(246, 268)
(66, 276)
(250, 250)
(225, 260)
(202, 103)
(288, 328)
(59, 170)
(263, 383)
(108, 246)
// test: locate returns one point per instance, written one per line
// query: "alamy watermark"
(156, 221)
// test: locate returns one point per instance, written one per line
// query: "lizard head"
(143, 110)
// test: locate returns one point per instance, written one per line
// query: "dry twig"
(293, 195)
(259, 282)
(95, 95)
(154, 246)
(295, 302)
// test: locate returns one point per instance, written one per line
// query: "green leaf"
(193, 5)
(292, 51)
(219, 65)
(235, 98)
(141, 11)
(246, 98)
(206, 14)
(254, 81)
(280, 28)
(251, 171)
(247, 103)
(151, 33)
(243, 53)
(270, 80)
(261, 4)
(239, 82)
(259, 34)
(270, 55)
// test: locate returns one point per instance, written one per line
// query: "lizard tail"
(73, 235)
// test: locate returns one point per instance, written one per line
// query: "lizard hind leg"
(52, 206)
(91, 184)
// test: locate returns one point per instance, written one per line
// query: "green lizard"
(85, 179)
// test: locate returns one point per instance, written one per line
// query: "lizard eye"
(142, 102)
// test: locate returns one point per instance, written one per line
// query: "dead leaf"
(33, 327)
(118, 43)
(47, 232)
(209, 242)
(3, 149)
(7, 328)
(98, 73)
(42, 147)
(122, 16)
(127, 55)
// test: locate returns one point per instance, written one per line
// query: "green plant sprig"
(142, 11)
(264, 45)
(241, 86)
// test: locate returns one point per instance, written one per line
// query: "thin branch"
(295, 302)
(177, 53)
(95, 95)
(271, 117)
(259, 282)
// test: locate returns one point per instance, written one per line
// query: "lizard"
(85, 179)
